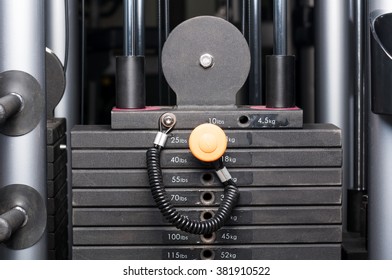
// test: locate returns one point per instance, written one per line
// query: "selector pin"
(208, 142)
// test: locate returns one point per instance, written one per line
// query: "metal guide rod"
(10, 104)
(305, 63)
(379, 161)
(140, 44)
(332, 79)
(254, 41)
(129, 27)
(228, 2)
(244, 13)
(133, 27)
(359, 110)
(280, 27)
(167, 18)
(23, 158)
(62, 30)
(130, 78)
(163, 33)
(63, 38)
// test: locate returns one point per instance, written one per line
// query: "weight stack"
(290, 193)
(57, 204)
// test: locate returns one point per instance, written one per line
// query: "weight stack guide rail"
(288, 174)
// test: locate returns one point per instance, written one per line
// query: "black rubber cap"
(130, 82)
(280, 83)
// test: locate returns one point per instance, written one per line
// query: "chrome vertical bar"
(280, 27)
(134, 27)
(334, 100)
(359, 110)
(255, 75)
(129, 27)
(23, 158)
(140, 30)
(163, 33)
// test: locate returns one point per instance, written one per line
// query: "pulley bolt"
(168, 120)
(206, 60)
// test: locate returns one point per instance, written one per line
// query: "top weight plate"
(218, 45)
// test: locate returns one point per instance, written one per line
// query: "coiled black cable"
(231, 195)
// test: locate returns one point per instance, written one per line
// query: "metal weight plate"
(55, 82)
(178, 178)
(233, 158)
(206, 61)
(29, 89)
(158, 235)
(240, 216)
(310, 136)
(31, 201)
(209, 252)
(201, 197)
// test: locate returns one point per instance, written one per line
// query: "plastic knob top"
(208, 142)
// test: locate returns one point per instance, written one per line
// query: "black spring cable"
(231, 195)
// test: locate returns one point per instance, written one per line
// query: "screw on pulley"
(168, 120)
(206, 60)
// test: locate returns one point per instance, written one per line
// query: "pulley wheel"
(206, 61)
(55, 82)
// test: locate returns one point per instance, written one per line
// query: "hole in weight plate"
(206, 215)
(208, 238)
(207, 178)
(207, 197)
(243, 120)
(207, 254)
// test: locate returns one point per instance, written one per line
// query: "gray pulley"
(29, 89)
(206, 61)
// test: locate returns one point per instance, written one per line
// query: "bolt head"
(206, 60)
(168, 120)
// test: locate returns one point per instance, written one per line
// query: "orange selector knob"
(208, 142)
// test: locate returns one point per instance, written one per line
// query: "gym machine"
(213, 176)
(219, 180)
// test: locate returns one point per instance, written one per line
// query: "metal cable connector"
(160, 139)
(223, 174)
(166, 123)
